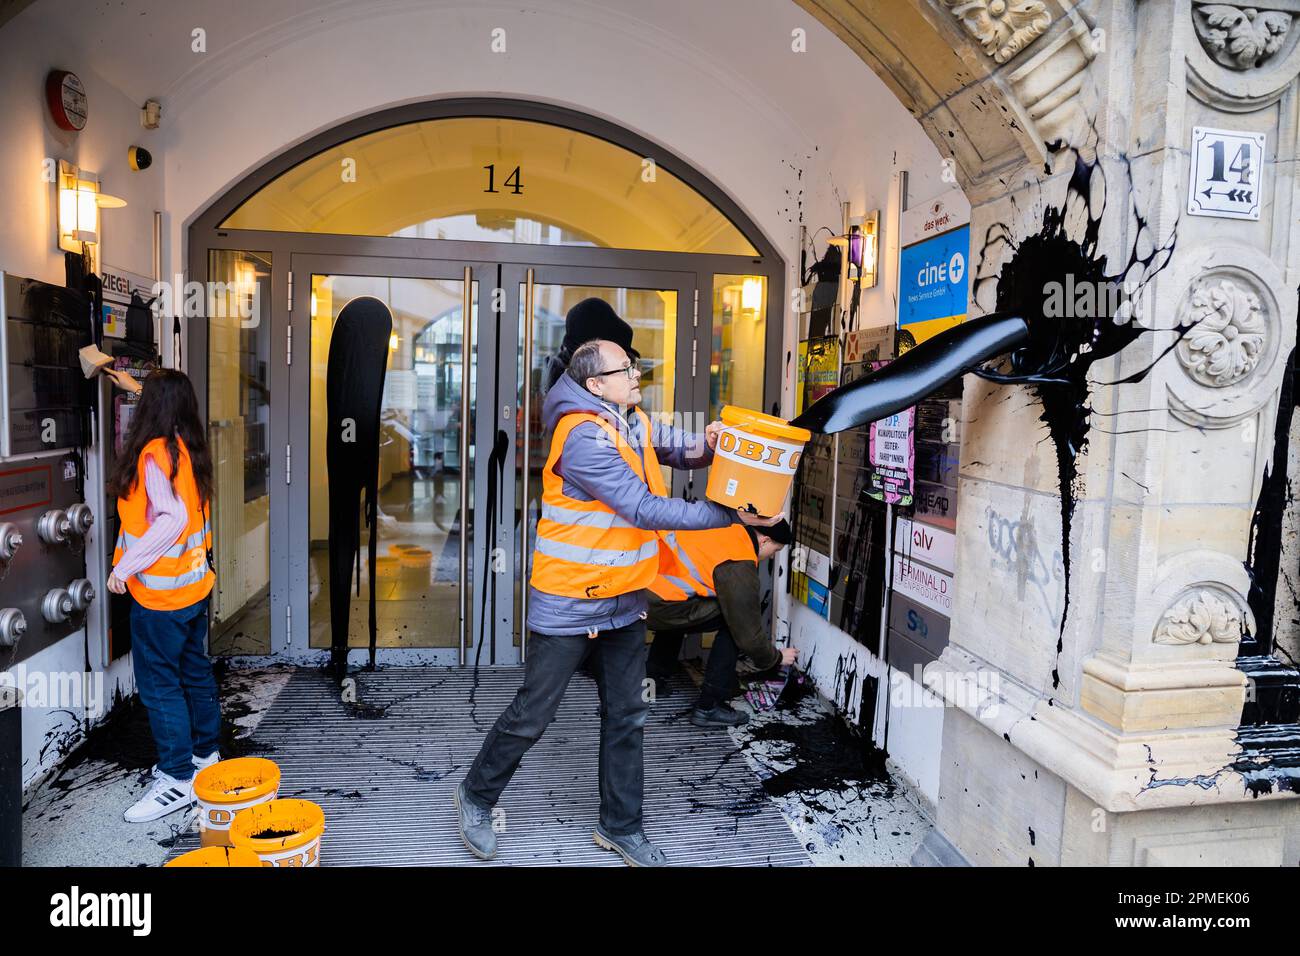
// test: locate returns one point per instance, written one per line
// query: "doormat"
(384, 768)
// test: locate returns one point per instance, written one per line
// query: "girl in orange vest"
(163, 483)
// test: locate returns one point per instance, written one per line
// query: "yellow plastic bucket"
(217, 856)
(282, 832)
(755, 461)
(227, 787)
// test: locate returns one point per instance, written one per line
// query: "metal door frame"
(303, 266)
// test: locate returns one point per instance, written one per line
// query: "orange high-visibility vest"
(697, 554)
(584, 549)
(181, 577)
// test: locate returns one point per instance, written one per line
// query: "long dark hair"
(168, 409)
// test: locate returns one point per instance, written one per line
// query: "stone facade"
(1118, 737)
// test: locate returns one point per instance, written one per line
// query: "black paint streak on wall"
(1276, 686)
(860, 558)
(1061, 351)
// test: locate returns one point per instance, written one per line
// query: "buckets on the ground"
(227, 787)
(282, 832)
(217, 856)
(755, 461)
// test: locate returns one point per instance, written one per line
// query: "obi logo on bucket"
(76, 909)
(58, 690)
(769, 454)
(239, 299)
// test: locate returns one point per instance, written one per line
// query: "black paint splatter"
(1057, 360)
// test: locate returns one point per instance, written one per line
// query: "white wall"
(788, 135)
(28, 242)
(28, 247)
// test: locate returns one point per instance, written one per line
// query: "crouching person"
(715, 586)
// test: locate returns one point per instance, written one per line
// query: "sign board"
(869, 345)
(118, 286)
(931, 545)
(937, 504)
(810, 585)
(919, 623)
(933, 286)
(924, 585)
(1226, 173)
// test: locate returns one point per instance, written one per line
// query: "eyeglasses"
(632, 371)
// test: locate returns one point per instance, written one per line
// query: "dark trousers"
(618, 664)
(719, 671)
(176, 684)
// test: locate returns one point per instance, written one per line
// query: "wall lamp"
(860, 248)
(79, 202)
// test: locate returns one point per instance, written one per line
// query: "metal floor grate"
(386, 783)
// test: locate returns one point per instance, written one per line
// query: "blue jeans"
(176, 684)
(618, 664)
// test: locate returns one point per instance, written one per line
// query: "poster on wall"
(890, 452)
(933, 278)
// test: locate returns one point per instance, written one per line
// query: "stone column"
(1117, 738)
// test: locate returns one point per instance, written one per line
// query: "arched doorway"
(479, 222)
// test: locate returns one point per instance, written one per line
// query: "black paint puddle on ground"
(828, 756)
(122, 744)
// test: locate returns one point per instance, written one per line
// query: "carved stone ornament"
(1240, 38)
(1227, 337)
(1202, 616)
(1002, 27)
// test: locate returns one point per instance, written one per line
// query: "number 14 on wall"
(1226, 174)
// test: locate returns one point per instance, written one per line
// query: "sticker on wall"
(1226, 173)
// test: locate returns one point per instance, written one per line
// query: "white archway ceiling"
(992, 82)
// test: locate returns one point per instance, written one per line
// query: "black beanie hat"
(594, 319)
(779, 532)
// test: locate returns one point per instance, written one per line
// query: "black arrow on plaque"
(1232, 195)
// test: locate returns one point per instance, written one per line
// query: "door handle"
(526, 425)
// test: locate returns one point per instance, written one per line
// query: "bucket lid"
(768, 424)
(218, 856)
(237, 780)
(302, 820)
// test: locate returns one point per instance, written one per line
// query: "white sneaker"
(208, 761)
(199, 763)
(166, 795)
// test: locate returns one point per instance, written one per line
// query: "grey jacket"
(593, 470)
